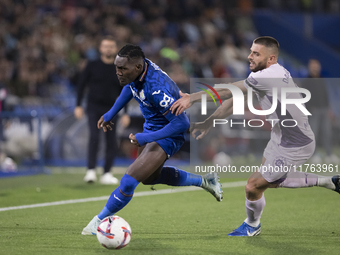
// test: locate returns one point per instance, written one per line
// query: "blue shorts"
(170, 145)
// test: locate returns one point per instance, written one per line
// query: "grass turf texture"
(300, 221)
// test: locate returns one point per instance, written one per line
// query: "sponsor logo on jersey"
(135, 95)
(142, 94)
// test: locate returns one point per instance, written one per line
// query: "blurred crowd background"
(44, 45)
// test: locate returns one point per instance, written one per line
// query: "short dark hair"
(131, 51)
(268, 41)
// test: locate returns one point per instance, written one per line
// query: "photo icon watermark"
(275, 110)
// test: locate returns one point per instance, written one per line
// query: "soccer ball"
(114, 232)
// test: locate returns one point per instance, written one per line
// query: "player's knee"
(249, 189)
(256, 186)
(128, 184)
(252, 188)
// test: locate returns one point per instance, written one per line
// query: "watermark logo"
(239, 103)
(204, 97)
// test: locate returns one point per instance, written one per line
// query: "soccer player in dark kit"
(162, 137)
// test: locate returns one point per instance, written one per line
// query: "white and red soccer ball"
(114, 232)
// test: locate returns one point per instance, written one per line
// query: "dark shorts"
(170, 145)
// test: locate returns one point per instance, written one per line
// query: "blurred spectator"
(44, 44)
(318, 105)
(236, 58)
(3, 95)
(104, 88)
(328, 6)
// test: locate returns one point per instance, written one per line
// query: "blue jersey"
(155, 92)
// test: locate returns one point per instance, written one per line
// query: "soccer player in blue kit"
(163, 133)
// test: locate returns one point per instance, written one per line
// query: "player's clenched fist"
(104, 124)
(133, 139)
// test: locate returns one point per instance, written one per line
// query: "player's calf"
(304, 180)
(120, 197)
(173, 176)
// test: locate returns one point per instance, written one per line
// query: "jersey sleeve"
(260, 81)
(162, 97)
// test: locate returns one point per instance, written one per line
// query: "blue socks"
(175, 177)
(119, 197)
(122, 195)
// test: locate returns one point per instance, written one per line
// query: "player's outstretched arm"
(187, 100)
(222, 112)
(124, 97)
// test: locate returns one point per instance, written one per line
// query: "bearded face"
(258, 57)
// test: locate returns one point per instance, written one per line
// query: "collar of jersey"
(142, 76)
(138, 83)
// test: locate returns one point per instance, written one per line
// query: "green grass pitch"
(300, 221)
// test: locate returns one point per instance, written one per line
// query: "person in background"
(3, 94)
(100, 76)
(318, 105)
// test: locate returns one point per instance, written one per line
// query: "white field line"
(137, 194)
